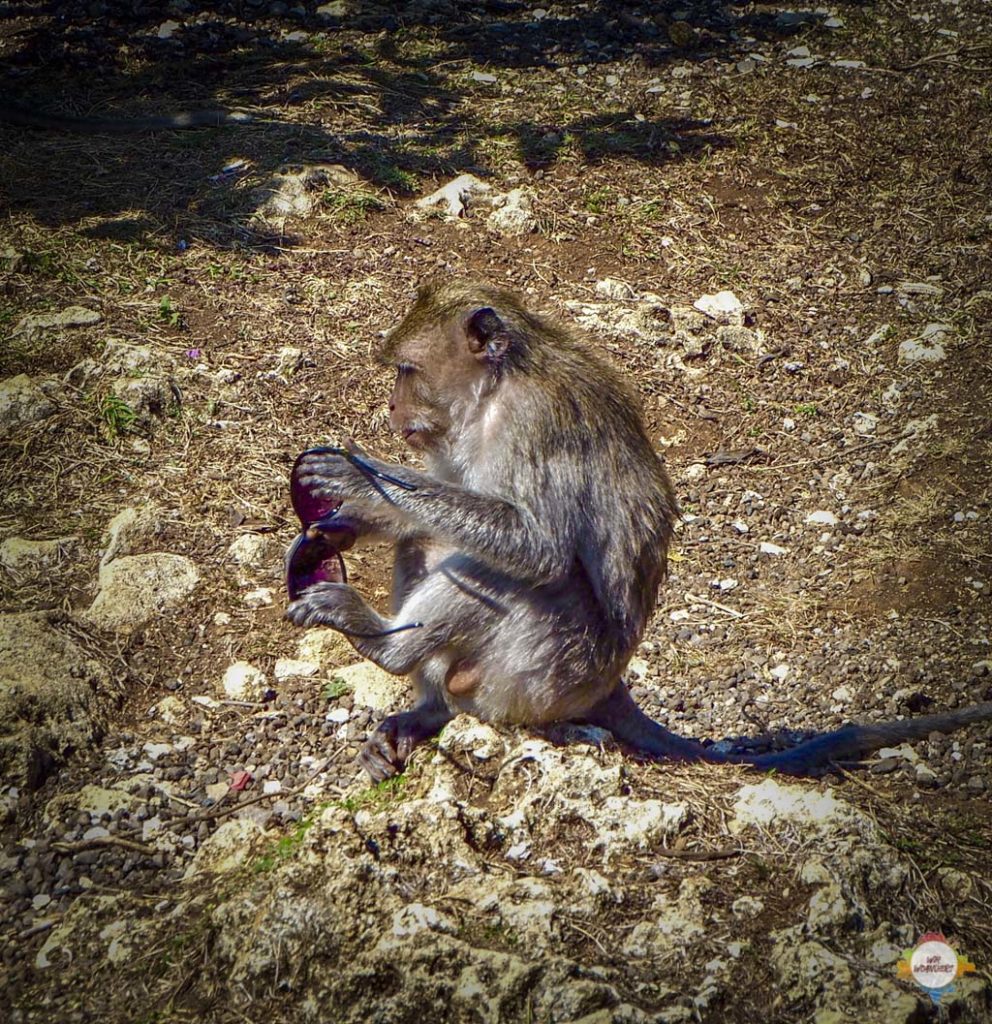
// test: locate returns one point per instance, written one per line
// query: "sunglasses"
(315, 556)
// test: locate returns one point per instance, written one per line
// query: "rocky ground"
(776, 222)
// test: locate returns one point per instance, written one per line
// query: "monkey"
(529, 555)
(28, 117)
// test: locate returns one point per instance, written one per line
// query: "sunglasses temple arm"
(385, 632)
(357, 460)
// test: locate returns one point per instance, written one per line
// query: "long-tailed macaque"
(529, 556)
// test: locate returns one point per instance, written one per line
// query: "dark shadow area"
(383, 89)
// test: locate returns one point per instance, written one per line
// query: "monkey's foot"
(387, 750)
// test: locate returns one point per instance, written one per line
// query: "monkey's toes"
(387, 750)
(379, 757)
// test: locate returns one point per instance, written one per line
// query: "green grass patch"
(116, 416)
(335, 687)
(350, 205)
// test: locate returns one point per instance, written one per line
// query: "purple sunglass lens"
(313, 558)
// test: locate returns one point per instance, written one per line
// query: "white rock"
(271, 786)
(71, 316)
(765, 803)
(150, 827)
(637, 667)
(129, 530)
(153, 751)
(42, 900)
(865, 423)
(289, 668)
(456, 196)
(221, 619)
(22, 401)
(768, 548)
(138, 588)
(372, 687)
(167, 29)
(924, 288)
(614, 288)
(338, 715)
(842, 694)
(746, 906)
(415, 918)
(834, 23)
(465, 735)
(904, 751)
(915, 350)
(33, 556)
(171, 710)
(325, 647)
(217, 790)
(723, 306)
(261, 597)
(513, 214)
(727, 584)
(694, 472)
(914, 430)
(96, 832)
(780, 672)
(788, 424)
(484, 77)
(822, 518)
(879, 335)
(243, 681)
(232, 845)
(740, 527)
(251, 549)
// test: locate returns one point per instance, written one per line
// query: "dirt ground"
(831, 170)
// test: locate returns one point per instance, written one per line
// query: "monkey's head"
(450, 353)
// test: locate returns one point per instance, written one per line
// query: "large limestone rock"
(136, 588)
(21, 402)
(49, 697)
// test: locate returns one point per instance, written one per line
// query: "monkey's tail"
(618, 713)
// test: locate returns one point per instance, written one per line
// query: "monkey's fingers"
(314, 606)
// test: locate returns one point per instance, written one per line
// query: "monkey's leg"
(386, 642)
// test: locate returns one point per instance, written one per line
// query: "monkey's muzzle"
(315, 555)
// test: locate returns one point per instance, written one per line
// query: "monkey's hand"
(337, 605)
(351, 474)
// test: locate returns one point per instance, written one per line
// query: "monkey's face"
(439, 383)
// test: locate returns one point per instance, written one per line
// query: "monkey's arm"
(508, 536)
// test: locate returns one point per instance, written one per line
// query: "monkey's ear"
(488, 337)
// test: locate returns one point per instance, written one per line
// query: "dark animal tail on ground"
(631, 726)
